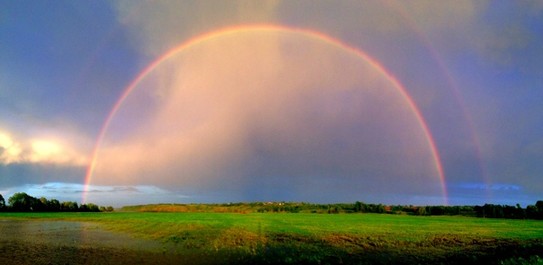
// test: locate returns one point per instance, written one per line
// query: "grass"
(410, 228)
(327, 238)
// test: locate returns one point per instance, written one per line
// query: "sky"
(396, 102)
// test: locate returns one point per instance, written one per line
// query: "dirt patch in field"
(66, 233)
(65, 242)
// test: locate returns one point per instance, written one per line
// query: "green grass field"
(328, 238)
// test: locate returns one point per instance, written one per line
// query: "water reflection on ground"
(69, 233)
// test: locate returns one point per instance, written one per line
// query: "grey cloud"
(18, 174)
(159, 26)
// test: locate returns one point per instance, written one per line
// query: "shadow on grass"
(345, 249)
(239, 246)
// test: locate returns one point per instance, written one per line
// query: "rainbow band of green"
(269, 28)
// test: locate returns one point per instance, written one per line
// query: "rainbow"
(451, 83)
(267, 28)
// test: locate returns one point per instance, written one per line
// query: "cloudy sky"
(401, 102)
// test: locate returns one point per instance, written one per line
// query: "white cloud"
(40, 149)
(10, 151)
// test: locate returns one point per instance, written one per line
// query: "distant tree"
(358, 206)
(69, 207)
(93, 207)
(539, 206)
(452, 210)
(21, 201)
(437, 210)
(421, 211)
(467, 211)
(489, 210)
(109, 209)
(73, 206)
(44, 200)
(531, 212)
(2, 202)
(499, 211)
(520, 213)
(508, 211)
(53, 205)
(396, 209)
(40, 205)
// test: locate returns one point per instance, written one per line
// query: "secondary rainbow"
(411, 24)
(267, 28)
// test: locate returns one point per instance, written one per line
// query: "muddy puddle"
(66, 233)
(68, 242)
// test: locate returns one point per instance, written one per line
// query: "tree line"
(507, 211)
(22, 202)
(486, 211)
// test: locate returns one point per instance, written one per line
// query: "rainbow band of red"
(270, 28)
